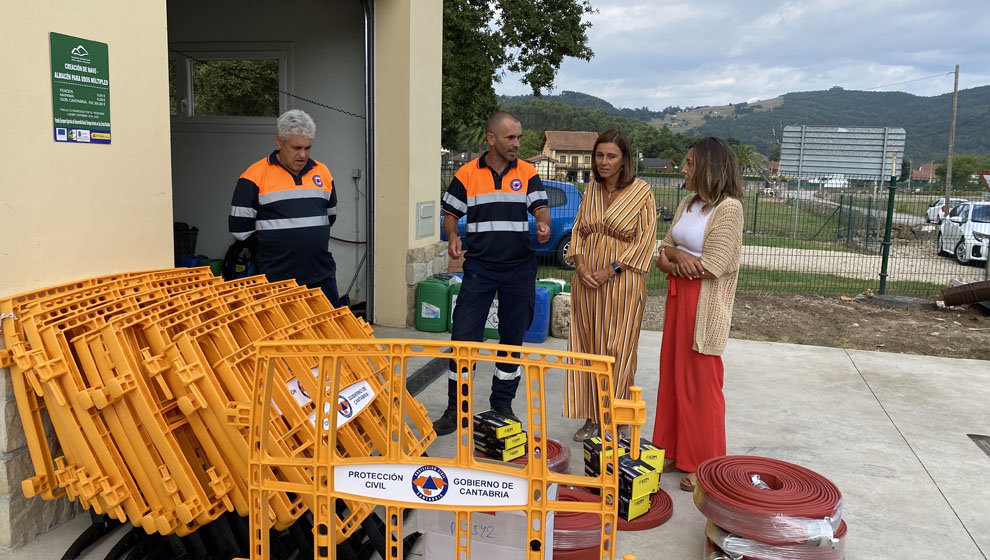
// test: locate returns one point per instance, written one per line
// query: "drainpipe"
(369, 148)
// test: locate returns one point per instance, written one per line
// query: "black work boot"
(447, 423)
(507, 412)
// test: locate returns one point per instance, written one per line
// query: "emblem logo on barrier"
(515, 185)
(317, 180)
(429, 483)
(344, 406)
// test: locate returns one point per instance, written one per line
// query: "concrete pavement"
(889, 429)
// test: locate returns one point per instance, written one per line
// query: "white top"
(689, 231)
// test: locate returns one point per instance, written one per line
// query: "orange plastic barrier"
(396, 479)
(147, 380)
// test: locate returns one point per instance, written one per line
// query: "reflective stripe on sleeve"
(536, 197)
(243, 212)
(454, 202)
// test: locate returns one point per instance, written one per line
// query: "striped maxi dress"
(607, 320)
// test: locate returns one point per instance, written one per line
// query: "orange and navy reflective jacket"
(497, 227)
(290, 218)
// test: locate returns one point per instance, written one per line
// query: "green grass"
(825, 284)
(762, 241)
(760, 280)
(914, 206)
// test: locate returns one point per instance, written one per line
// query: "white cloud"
(661, 53)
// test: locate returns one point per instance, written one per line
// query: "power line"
(958, 125)
(910, 81)
(250, 79)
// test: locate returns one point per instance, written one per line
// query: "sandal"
(589, 430)
(669, 465)
(687, 484)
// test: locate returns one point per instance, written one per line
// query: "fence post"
(838, 222)
(849, 222)
(797, 203)
(869, 220)
(756, 206)
(886, 235)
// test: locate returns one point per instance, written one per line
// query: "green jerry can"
(552, 285)
(491, 323)
(433, 304)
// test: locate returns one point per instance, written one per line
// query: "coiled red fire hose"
(558, 456)
(578, 531)
(768, 500)
(739, 548)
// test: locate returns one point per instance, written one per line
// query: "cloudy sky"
(658, 53)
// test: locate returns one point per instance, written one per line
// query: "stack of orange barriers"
(147, 379)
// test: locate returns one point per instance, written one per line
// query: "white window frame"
(186, 121)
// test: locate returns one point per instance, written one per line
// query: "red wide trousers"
(690, 421)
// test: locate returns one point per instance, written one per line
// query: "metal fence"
(823, 236)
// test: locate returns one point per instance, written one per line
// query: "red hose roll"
(740, 548)
(558, 456)
(786, 504)
(590, 553)
(575, 531)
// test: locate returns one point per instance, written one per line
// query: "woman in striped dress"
(611, 247)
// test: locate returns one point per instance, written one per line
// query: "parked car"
(966, 232)
(936, 211)
(563, 201)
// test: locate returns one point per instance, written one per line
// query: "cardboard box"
(502, 454)
(648, 453)
(501, 535)
(631, 508)
(636, 478)
(492, 425)
(593, 456)
(508, 442)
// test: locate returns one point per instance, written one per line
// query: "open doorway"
(231, 73)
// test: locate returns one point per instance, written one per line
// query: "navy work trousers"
(516, 289)
(329, 288)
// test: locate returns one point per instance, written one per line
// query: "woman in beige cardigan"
(700, 256)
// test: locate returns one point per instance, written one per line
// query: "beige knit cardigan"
(720, 256)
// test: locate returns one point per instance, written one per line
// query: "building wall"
(325, 39)
(407, 122)
(71, 211)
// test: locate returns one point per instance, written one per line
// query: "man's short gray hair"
(296, 122)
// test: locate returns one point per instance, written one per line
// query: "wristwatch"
(616, 268)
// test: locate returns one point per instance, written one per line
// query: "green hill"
(580, 100)
(926, 119)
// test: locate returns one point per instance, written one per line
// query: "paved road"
(914, 261)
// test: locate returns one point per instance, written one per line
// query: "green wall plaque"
(80, 89)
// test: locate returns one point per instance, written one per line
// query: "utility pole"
(952, 142)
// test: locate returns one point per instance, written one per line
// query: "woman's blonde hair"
(716, 171)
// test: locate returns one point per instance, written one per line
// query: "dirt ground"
(862, 324)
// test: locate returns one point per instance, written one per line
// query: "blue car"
(563, 200)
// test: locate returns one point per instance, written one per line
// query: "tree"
(749, 160)
(482, 39)
(530, 143)
(963, 166)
